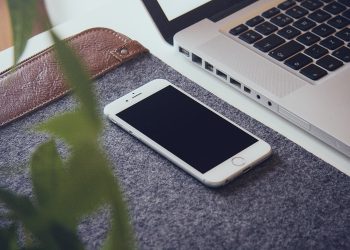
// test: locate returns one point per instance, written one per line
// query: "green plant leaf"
(21, 207)
(8, 238)
(67, 190)
(47, 174)
(88, 184)
(120, 236)
(23, 13)
(78, 79)
(73, 127)
(37, 223)
(61, 188)
(65, 238)
(23, 210)
(87, 164)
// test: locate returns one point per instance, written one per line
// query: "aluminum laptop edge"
(319, 107)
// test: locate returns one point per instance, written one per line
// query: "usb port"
(221, 74)
(196, 59)
(183, 51)
(235, 83)
(246, 89)
(208, 66)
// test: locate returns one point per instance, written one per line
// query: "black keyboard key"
(269, 43)
(281, 20)
(316, 51)
(266, 28)
(254, 21)
(304, 24)
(286, 50)
(286, 5)
(298, 61)
(323, 30)
(297, 12)
(289, 32)
(308, 38)
(320, 16)
(271, 12)
(329, 63)
(346, 14)
(339, 22)
(332, 43)
(250, 36)
(312, 4)
(345, 2)
(344, 34)
(313, 72)
(238, 29)
(334, 8)
(343, 54)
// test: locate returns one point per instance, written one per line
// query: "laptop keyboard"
(311, 37)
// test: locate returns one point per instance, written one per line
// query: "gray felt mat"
(291, 201)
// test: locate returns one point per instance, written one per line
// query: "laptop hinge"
(230, 10)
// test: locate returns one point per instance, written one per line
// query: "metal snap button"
(124, 52)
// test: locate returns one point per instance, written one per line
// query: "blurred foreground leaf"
(65, 191)
(79, 80)
(8, 238)
(21, 207)
(23, 13)
(88, 164)
(75, 128)
(47, 174)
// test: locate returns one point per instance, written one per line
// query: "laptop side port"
(221, 74)
(208, 67)
(184, 51)
(235, 83)
(247, 90)
(196, 59)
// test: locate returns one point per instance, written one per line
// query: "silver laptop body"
(321, 108)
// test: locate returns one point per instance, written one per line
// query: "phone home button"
(238, 161)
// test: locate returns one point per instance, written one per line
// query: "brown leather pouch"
(38, 80)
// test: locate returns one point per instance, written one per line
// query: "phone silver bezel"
(217, 176)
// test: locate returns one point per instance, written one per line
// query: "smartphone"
(193, 136)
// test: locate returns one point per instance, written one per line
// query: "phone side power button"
(238, 161)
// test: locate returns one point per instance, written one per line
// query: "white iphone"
(194, 137)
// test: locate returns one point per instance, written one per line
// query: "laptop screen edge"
(210, 9)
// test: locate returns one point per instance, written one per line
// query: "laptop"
(293, 57)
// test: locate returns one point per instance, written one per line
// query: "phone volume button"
(247, 169)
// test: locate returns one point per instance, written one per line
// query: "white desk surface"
(132, 19)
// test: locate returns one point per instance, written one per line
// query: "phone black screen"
(186, 128)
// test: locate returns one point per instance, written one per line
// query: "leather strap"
(37, 81)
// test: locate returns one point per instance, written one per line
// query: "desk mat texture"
(291, 201)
